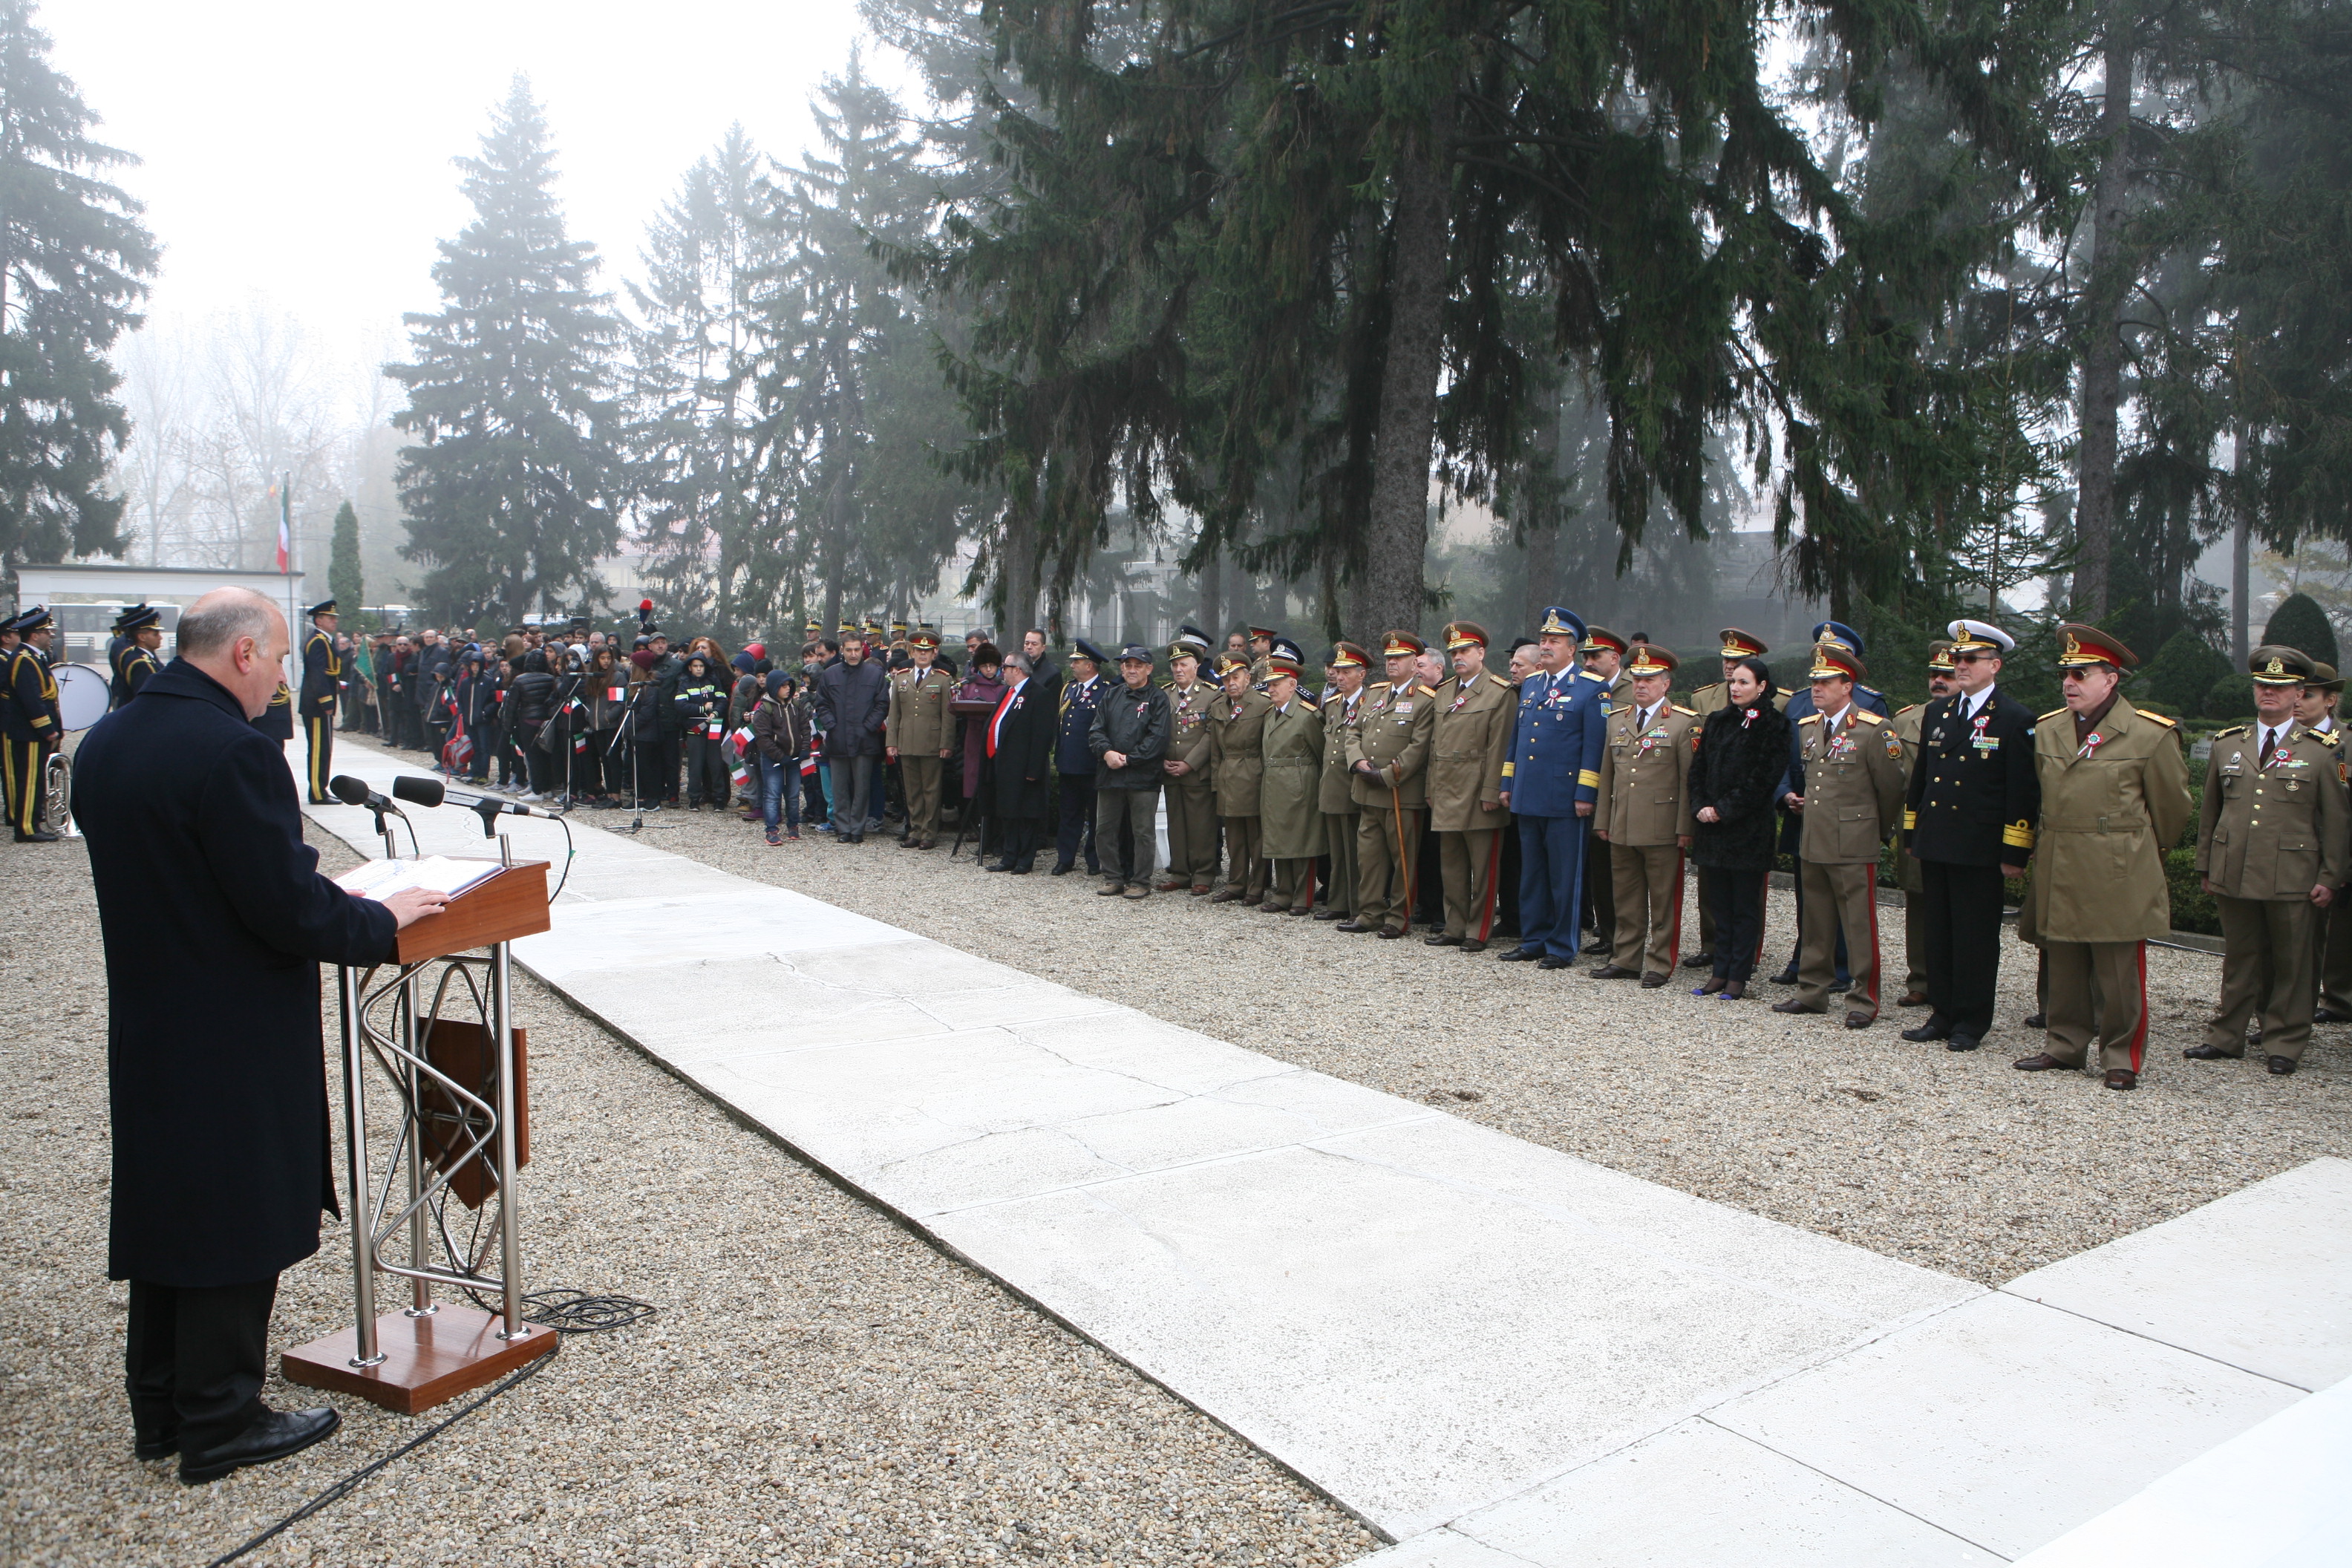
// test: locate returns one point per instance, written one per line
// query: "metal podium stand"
(439, 1029)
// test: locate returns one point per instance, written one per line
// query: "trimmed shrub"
(2300, 623)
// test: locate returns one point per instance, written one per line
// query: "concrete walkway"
(1492, 1353)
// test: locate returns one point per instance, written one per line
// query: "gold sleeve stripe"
(2017, 835)
(1507, 769)
(1910, 821)
(1587, 779)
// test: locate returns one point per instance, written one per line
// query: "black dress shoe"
(2212, 1054)
(1793, 1005)
(1390, 933)
(2040, 1061)
(1553, 961)
(1519, 954)
(1651, 981)
(1858, 1019)
(1962, 1043)
(278, 1433)
(1595, 944)
(2036, 1020)
(1615, 971)
(2280, 1066)
(2330, 1016)
(1472, 945)
(43, 836)
(1699, 961)
(1932, 1029)
(1321, 914)
(1351, 925)
(996, 865)
(161, 1447)
(1062, 870)
(1786, 977)
(1440, 939)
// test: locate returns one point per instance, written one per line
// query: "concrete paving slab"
(2275, 1497)
(1697, 1496)
(1440, 1549)
(2188, 1281)
(2003, 1421)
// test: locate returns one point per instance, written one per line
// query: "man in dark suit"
(1020, 768)
(215, 920)
(1969, 817)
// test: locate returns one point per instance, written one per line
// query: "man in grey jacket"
(1128, 739)
(853, 703)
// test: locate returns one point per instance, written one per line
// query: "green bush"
(2300, 623)
(2183, 672)
(2231, 699)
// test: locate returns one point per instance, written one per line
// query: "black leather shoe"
(1351, 926)
(1062, 870)
(1553, 961)
(161, 1447)
(1323, 914)
(43, 836)
(2280, 1066)
(1858, 1019)
(1615, 971)
(2036, 1020)
(1472, 945)
(1519, 954)
(1390, 933)
(1651, 981)
(1699, 961)
(2330, 1016)
(2040, 1061)
(1932, 1029)
(278, 1433)
(1786, 977)
(996, 865)
(1962, 1043)
(2212, 1054)
(1793, 1005)
(1439, 938)
(2121, 1078)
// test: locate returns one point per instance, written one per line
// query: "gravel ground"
(1955, 1162)
(819, 1387)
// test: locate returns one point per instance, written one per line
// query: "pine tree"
(74, 259)
(343, 578)
(2300, 623)
(514, 487)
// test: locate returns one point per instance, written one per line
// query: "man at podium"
(215, 920)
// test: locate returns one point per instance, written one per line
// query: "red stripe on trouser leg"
(1494, 865)
(2140, 1034)
(1674, 940)
(1870, 887)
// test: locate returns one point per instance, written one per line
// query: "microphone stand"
(628, 728)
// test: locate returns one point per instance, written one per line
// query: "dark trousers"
(706, 769)
(1960, 918)
(1738, 899)
(1601, 893)
(1016, 841)
(853, 781)
(195, 1357)
(321, 732)
(1125, 832)
(1077, 830)
(546, 771)
(1551, 882)
(25, 763)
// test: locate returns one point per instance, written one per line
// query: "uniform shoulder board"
(1909, 708)
(1867, 717)
(2232, 730)
(1596, 679)
(1678, 708)
(1425, 691)
(2167, 723)
(1498, 680)
(1380, 686)
(1811, 718)
(2052, 714)
(1786, 690)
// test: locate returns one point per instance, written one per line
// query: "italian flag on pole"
(285, 545)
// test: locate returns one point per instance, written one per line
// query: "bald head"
(238, 638)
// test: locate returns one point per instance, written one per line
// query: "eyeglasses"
(1973, 657)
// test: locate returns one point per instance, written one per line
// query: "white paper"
(443, 874)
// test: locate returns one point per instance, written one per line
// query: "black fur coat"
(1742, 755)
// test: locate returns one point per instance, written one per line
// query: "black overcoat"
(1023, 764)
(215, 920)
(1741, 756)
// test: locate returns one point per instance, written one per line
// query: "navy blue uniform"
(1556, 740)
(1074, 761)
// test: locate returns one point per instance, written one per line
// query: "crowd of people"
(1554, 801)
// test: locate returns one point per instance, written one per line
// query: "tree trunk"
(1016, 583)
(1397, 531)
(1213, 585)
(2241, 539)
(2103, 355)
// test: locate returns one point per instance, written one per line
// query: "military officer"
(1737, 645)
(2114, 795)
(1387, 750)
(919, 735)
(141, 635)
(1646, 817)
(1968, 816)
(1261, 642)
(1343, 699)
(1236, 761)
(1603, 652)
(1289, 813)
(1835, 635)
(2315, 710)
(323, 679)
(1849, 769)
(1073, 760)
(1468, 745)
(1550, 782)
(1191, 795)
(1906, 869)
(2271, 848)
(30, 728)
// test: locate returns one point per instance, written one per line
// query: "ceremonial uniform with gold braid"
(322, 674)
(29, 727)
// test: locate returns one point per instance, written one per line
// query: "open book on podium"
(410, 1360)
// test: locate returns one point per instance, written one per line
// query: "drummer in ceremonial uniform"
(322, 676)
(1737, 645)
(2114, 796)
(1343, 706)
(1602, 653)
(1941, 683)
(919, 735)
(1969, 816)
(1388, 761)
(1551, 783)
(1850, 772)
(2271, 848)
(1645, 818)
(141, 630)
(1191, 795)
(1470, 741)
(30, 727)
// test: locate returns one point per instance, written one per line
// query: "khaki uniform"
(1469, 743)
(2334, 934)
(1906, 869)
(1599, 860)
(1644, 807)
(1339, 802)
(922, 730)
(1236, 736)
(2265, 838)
(1290, 802)
(1854, 798)
(1393, 730)
(2098, 891)
(1192, 796)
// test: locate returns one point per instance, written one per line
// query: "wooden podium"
(459, 1082)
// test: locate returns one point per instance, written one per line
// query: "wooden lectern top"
(510, 902)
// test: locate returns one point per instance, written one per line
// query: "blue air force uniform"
(1556, 740)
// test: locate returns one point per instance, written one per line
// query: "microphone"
(414, 791)
(353, 792)
(419, 791)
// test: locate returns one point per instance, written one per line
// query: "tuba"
(57, 791)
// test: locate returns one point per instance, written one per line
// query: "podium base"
(425, 1360)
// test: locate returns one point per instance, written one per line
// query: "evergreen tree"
(515, 483)
(2300, 623)
(74, 259)
(343, 578)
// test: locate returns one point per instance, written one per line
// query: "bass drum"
(81, 695)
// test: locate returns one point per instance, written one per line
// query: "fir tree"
(74, 259)
(343, 578)
(514, 486)
(2300, 623)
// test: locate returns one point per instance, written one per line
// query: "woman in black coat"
(1021, 769)
(1743, 751)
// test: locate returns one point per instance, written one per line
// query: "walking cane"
(1404, 861)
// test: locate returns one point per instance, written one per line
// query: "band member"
(30, 727)
(323, 679)
(1646, 818)
(2115, 794)
(1968, 817)
(1467, 748)
(2271, 842)
(139, 636)
(1550, 782)
(1850, 765)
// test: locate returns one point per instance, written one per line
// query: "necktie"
(2270, 744)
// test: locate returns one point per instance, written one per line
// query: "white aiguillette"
(441, 874)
